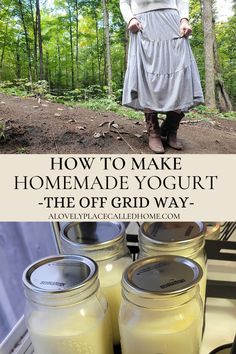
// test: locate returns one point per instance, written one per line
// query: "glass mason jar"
(65, 311)
(212, 230)
(185, 239)
(161, 311)
(105, 243)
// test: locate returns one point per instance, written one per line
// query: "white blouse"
(130, 8)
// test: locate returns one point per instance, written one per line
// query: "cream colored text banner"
(112, 187)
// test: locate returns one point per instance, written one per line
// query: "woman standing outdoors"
(161, 76)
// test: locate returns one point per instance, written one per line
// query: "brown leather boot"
(169, 129)
(154, 136)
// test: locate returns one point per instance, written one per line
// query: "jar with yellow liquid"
(105, 243)
(185, 239)
(65, 311)
(161, 311)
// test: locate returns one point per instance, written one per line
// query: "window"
(20, 245)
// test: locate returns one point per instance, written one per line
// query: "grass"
(108, 104)
(21, 150)
(205, 113)
(100, 105)
(14, 91)
(2, 131)
(228, 115)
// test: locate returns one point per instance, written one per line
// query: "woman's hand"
(134, 25)
(185, 28)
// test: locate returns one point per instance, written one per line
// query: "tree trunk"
(47, 72)
(121, 72)
(225, 104)
(209, 53)
(234, 6)
(3, 48)
(71, 47)
(66, 69)
(34, 24)
(104, 58)
(38, 19)
(26, 39)
(59, 65)
(98, 54)
(93, 72)
(108, 46)
(77, 43)
(18, 67)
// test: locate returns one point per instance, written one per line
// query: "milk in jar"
(105, 243)
(185, 239)
(65, 310)
(161, 310)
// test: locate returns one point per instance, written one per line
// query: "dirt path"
(54, 128)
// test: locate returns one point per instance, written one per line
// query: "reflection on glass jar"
(65, 311)
(223, 349)
(212, 230)
(105, 243)
(175, 238)
(161, 311)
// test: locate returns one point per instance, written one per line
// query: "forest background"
(76, 50)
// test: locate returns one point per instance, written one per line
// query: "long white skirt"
(162, 74)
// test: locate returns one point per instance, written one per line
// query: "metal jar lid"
(162, 275)
(92, 234)
(172, 232)
(60, 274)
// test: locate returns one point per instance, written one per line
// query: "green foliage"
(10, 88)
(109, 104)
(206, 110)
(202, 112)
(23, 87)
(196, 40)
(39, 88)
(21, 150)
(226, 34)
(79, 94)
(103, 104)
(2, 131)
(228, 115)
(19, 66)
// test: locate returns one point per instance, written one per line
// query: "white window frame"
(18, 340)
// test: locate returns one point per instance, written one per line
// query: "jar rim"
(80, 280)
(114, 238)
(164, 277)
(196, 237)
